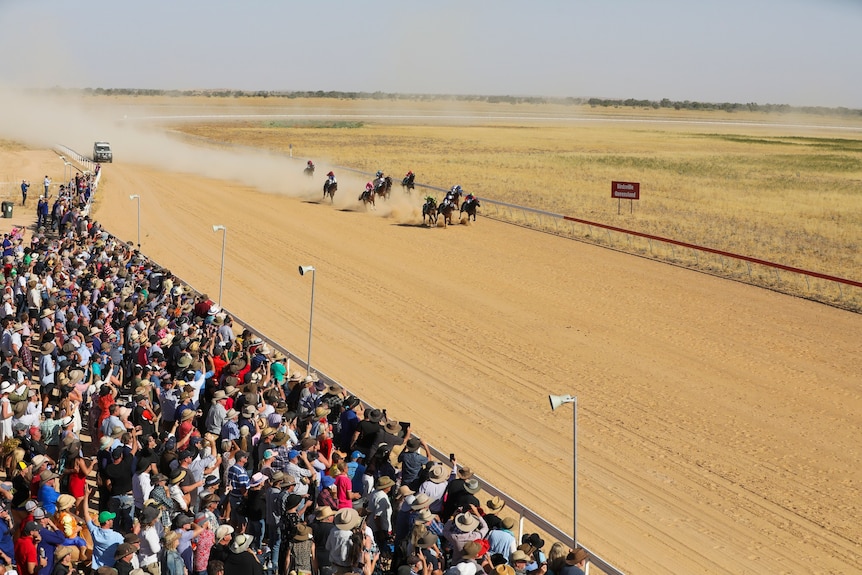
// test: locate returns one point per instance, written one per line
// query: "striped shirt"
(237, 478)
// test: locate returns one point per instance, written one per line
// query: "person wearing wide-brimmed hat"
(302, 550)
(241, 561)
(460, 493)
(48, 493)
(339, 542)
(379, 509)
(435, 485)
(502, 539)
(464, 527)
(412, 461)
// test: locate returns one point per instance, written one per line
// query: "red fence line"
(719, 252)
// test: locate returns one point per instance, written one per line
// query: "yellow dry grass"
(767, 192)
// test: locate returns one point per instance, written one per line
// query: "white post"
(138, 199)
(223, 229)
(302, 272)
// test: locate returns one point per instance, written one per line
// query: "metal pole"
(302, 271)
(221, 273)
(310, 323)
(223, 230)
(137, 198)
(575, 470)
(139, 223)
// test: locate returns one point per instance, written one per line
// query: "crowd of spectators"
(144, 431)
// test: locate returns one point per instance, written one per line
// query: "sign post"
(626, 191)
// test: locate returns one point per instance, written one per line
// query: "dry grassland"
(789, 195)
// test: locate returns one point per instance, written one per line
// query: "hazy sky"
(799, 52)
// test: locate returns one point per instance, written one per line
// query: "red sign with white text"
(626, 190)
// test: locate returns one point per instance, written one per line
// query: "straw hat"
(466, 522)
(347, 518)
(65, 502)
(240, 543)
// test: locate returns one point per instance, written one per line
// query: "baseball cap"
(31, 526)
(292, 453)
(106, 516)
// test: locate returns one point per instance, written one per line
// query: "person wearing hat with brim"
(460, 493)
(412, 461)
(70, 525)
(240, 560)
(123, 558)
(435, 485)
(217, 414)
(519, 560)
(576, 562)
(379, 510)
(48, 494)
(340, 540)
(150, 545)
(302, 550)
(367, 432)
(464, 527)
(502, 540)
(223, 537)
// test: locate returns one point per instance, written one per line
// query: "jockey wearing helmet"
(369, 187)
(331, 178)
(310, 164)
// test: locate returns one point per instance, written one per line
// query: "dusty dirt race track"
(719, 423)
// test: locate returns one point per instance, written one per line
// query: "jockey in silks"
(310, 164)
(330, 178)
(369, 189)
(379, 180)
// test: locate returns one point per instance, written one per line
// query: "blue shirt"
(6, 544)
(48, 498)
(105, 542)
(237, 479)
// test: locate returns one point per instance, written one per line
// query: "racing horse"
(469, 206)
(329, 189)
(309, 170)
(407, 182)
(367, 197)
(453, 196)
(429, 209)
(383, 187)
(446, 209)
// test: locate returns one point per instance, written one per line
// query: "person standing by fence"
(25, 185)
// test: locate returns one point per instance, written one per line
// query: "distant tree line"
(594, 102)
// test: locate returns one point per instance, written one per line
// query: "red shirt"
(218, 366)
(25, 552)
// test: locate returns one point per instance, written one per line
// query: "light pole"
(137, 198)
(222, 229)
(557, 401)
(302, 271)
